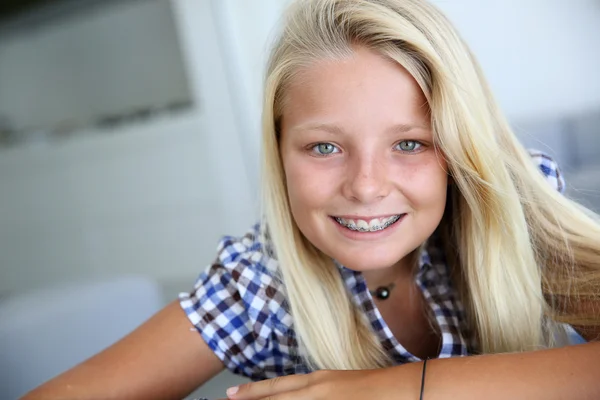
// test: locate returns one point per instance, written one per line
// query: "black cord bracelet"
(423, 379)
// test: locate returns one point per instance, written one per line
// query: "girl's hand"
(395, 383)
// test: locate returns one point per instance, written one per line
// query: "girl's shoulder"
(243, 270)
(549, 168)
(249, 265)
(238, 306)
(248, 253)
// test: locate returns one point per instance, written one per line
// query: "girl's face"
(365, 184)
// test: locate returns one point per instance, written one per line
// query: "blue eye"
(409, 145)
(324, 149)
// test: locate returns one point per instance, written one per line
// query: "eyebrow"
(334, 129)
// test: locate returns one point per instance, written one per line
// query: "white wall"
(246, 30)
(149, 199)
(96, 62)
(540, 56)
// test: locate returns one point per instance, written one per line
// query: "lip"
(365, 218)
(369, 236)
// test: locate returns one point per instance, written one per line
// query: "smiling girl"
(403, 222)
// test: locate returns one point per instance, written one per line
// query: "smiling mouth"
(372, 225)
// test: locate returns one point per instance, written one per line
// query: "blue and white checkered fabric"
(549, 169)
(239, 307)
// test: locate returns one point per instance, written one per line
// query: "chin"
(367, 263)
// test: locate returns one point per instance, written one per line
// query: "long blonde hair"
(522, 254)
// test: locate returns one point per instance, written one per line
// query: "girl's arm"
(568, 373)
(165, 358)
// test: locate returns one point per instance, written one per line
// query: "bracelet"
(423, 379)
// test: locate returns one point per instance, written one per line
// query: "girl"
(402, 222)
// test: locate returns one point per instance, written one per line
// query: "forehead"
(365, 85)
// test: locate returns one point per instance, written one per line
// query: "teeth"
(373, 225)
(362, 224)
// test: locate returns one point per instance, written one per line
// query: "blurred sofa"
(574, 142)
(47, 331)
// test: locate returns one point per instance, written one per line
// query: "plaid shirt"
(239, 307)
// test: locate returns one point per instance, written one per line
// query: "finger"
(269, 387)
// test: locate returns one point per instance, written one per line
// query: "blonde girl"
(410, 247)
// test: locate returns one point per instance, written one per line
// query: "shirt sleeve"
(550, 169)
(228, 307)
(555, 178)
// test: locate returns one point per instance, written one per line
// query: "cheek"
(307, 187)
(426, 187)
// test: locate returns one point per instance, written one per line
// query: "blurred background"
(129, 139)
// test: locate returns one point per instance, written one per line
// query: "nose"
(367, 179)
